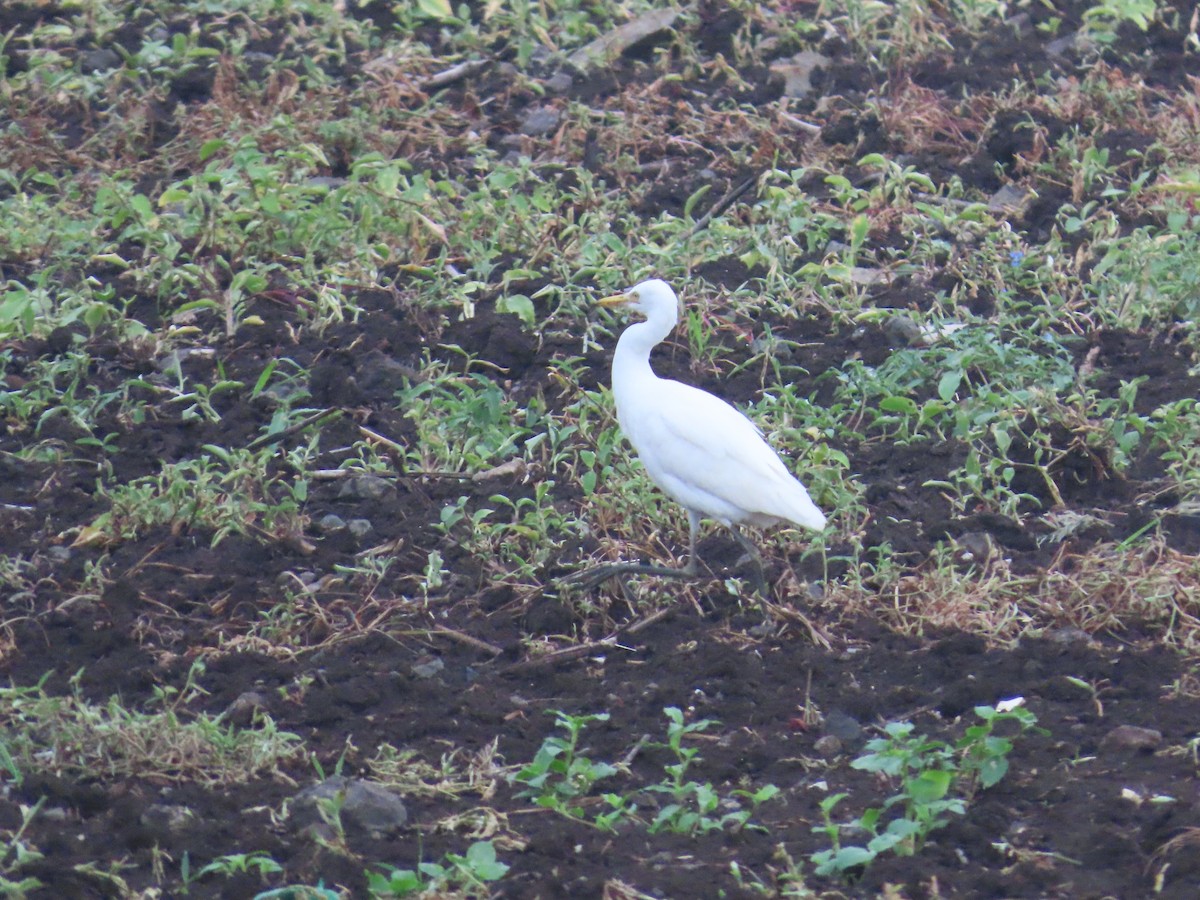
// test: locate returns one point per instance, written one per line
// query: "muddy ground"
(1076, 817)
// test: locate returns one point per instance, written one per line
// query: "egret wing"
(712, 458)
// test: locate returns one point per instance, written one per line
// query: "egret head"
(646, 298)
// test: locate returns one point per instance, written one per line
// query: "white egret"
(698, 449)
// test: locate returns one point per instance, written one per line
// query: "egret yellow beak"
(616, 300)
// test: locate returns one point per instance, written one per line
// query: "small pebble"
(363, 804)
(560, 82)
(829, 746)
(365, 487)
(428, 668)
(1131, 737)
(360, 528)
(99, 61)
(331, 524)
(241, 711)
(842, 726)
(540, 121)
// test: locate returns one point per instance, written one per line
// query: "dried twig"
(467, 639)
(454, 74)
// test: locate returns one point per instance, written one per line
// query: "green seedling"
(935, 780)
(559, 776)
(241, 863)
(467, 875)
(70, 736)
(1102, 20)
(691, 807)
(16, 852)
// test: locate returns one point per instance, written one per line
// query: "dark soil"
(1074, 818)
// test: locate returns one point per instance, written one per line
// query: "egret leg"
(693, 563)
(760, 578)
(591, 578)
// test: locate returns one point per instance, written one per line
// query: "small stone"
(1068, 635)
(167, 817)
(99, 61)
(331, 524)
(360, 528)
(361, 804)
(829, 746)
(257, 61)
(1065, 44)
(761, 630)
(59, 555)
(380, 374)
(842, 726)
(1011, 198)
(605, 49)
(241, 711)
(540, 121)
(429, 667)
(365, 487)
(902, 331)
(171, 362)
(1132, 738)
(865, 277)
(560, 82)
(974, 547)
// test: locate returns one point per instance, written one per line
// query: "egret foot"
(590, 579)
(760, 577)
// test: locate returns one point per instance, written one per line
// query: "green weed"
(559, 776)
(70, 736)
(467, 875)
(225, 492)
(936, 779)
(561, 779)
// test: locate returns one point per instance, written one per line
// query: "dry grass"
(1145, 592)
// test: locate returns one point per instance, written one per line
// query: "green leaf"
(481, 856)
(519, 305)
(930, 785)
(848, 857)
(208, 148)
(858, 230)
(886, 841)
(264, 378)
(173, 195)
(948, 385)
(898, 404)
(691, 201)
(992, 771)
(436, 9)
(142, 206)
(1002, 438)
(903, 828)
